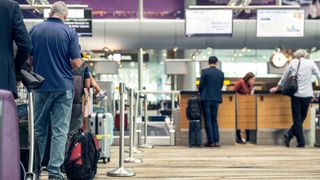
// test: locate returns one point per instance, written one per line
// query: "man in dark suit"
(211, 83)
(12, 29)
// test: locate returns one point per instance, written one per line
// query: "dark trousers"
(210, 110)
(299, 108)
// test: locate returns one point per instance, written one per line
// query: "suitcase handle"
(100, 115)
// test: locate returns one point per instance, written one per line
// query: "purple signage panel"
(212, 2)
(163, 9)
(225, 2)
(123, 9)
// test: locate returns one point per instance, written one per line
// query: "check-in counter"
(266, 114)
(246, 114)
(274, 118)
(226, 119)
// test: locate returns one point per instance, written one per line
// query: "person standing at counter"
(300, 101)
(211, 83)
(244, 86)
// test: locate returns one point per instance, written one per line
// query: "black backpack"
(193, 109)
(82, 156)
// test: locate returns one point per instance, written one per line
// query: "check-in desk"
(226, 119)
(274, 118)
(268, 116)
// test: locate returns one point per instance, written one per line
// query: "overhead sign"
(280, 23)
(79, 19)
(208, 22)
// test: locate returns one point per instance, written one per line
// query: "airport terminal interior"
(150, 58)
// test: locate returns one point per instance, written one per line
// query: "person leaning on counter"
(300, 101)
(244, 86)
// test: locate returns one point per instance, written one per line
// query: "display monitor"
(280, 23)
(79, 19)
(213, 22)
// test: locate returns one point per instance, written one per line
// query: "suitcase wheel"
(109, 159)
(104, 160)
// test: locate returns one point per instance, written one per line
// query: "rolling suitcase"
(9, 138)
(195, 133)
(101, 124)
(117, 121)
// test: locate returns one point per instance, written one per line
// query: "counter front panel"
(246, 112)
(274, 112)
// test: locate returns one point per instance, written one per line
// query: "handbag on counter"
(291, 85)
(30, 79)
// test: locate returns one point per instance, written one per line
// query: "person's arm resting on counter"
(283, 79)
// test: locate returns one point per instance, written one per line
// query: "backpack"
(82, 156)
(78, 79)
(193, 109)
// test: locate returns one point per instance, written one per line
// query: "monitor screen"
(280, 23)
(201, 22)
(79, 19)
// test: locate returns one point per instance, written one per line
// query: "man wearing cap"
(211, 83)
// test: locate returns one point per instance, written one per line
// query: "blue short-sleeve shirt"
(55, 44)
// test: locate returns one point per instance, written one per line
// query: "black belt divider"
(97, 123)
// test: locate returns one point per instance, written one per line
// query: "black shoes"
(212, 145)
(217, 145)
(208, 145)
(287, 140)
(300, 146)
(239, 141)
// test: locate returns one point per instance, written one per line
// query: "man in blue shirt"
(55, 53)
(211, 83)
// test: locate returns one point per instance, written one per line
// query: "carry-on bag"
(9, 138)
(195, 133)
(81, 161)
(193, 110)
(101, 124)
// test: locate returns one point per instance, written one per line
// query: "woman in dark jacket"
(244, 86)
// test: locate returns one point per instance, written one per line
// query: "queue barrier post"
(121, 171)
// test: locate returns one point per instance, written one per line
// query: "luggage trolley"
(29, 149)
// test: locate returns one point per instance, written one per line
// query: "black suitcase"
(195, 133)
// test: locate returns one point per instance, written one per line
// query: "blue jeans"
(210, 110)
(55, 107)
